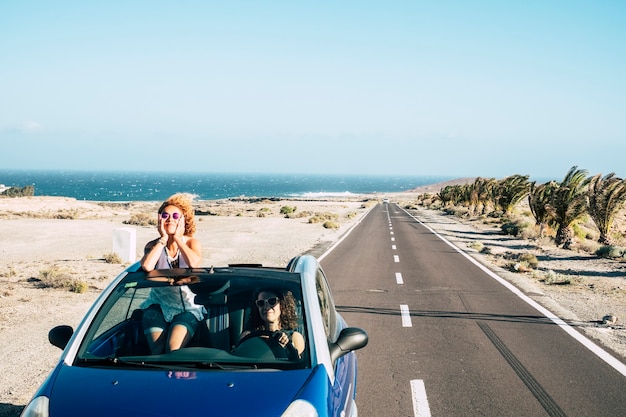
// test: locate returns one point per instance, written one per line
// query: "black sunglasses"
(272, 301)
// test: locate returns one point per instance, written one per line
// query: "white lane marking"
(345, 235)
(391, 233)
(393, 247)
(597, 350)
(396, 258)
(406, 316)
(399, 279)
(420, 402)
(393, 239)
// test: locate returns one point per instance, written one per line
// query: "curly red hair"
(183, 202)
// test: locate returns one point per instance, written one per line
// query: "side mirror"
(350, 338)
(60, 335)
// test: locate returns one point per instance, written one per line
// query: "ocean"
(153, 186)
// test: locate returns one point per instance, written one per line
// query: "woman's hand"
(153, 249)
(180, 228)
(161, 227)
(282, 338)
(284, 342)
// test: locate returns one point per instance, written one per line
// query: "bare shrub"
(141, 219)
(112, 258)
(553, 278)
(611, 252)
(529, 233)
(322, 217)
(588, 246)
(9, 272)
(264, 212)
(477, 246)
(528, 258)
(55, 277)
(78, 286)
(299, 214)
(331, 225)
(65, 214)
(511, 228)
(286, 210)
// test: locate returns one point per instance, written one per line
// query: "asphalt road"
(447, 339)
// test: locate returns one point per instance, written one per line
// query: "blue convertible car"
(107, 368)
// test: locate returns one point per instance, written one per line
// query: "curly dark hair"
(288, 313)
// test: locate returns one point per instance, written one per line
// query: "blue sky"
(452, 88)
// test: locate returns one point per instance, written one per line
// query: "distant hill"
(435, 188)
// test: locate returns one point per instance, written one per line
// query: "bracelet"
(162, 241)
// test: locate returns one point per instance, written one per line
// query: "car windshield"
(117, 335)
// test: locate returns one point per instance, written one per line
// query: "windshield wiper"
(121, 362)
(222, 366)
(117, 361)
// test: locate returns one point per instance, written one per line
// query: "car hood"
(78, 391)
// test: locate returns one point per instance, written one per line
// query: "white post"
(125, 243)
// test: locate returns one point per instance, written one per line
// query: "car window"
(120, 310)
(119, 331)
(327, 306)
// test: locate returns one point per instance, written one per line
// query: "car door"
(344, 384)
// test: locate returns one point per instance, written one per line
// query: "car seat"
(224, 322)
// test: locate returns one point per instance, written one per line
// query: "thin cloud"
(31, 126)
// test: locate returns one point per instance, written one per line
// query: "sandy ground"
(39, 234)
(74, 237)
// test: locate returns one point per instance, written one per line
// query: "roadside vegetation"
(112, 258)
(580, 213)
(141, 219)
(55, 277)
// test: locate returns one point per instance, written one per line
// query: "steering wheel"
(270, 339)
(266, 334)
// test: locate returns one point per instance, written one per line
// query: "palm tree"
(539, 198)
(568, 204)
(449, 194)
(480, 194)
(606, 197)
(511, 190)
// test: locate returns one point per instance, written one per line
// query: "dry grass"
(55, 277)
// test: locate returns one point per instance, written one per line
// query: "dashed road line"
(611, 360)
(420, 401)
(406, 316)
